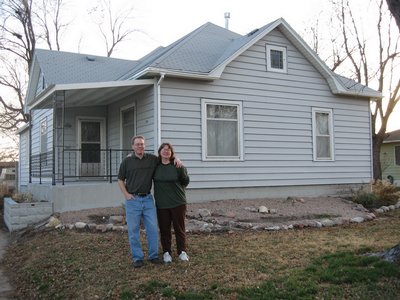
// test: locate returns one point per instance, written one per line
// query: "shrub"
(22, 197)
(380, 193)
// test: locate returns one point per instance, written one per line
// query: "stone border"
(196, 225)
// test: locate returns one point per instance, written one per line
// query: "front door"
(91, 160)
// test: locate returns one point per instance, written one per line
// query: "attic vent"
(252, 32)
(90, 58)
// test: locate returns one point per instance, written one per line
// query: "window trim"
(394, 156)
(205, 157)
(282, 49)
(43, 123)
(314, 135)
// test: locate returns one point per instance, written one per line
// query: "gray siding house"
(251, 116)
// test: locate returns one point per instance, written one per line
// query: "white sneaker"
(167, 258)
(183, 256)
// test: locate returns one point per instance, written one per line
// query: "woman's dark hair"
(172, 158)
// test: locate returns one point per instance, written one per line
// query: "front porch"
(79, 195)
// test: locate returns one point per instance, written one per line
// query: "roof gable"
(205, 53)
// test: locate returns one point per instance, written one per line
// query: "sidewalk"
(6, 290)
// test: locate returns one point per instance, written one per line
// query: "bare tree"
(22, 24)
(114, 25)
(371, 62)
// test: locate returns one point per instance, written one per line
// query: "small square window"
(276, 58)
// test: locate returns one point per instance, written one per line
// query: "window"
(43, 136)
(41, 84)
(322, 134)
(397, 155)
(221, 129)
(276, 58)
(90, 141)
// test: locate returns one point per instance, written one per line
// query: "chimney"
(227, 16)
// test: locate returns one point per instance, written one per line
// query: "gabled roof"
(202, 54)
(392, 137)
(205, 52)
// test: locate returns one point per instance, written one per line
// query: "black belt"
(141, 194)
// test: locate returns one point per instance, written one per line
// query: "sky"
(162, 22)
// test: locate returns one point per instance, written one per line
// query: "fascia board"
(174, 73)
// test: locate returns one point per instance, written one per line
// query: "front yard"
(324, 263)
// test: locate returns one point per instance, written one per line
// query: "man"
(135, 181)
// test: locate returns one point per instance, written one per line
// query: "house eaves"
(99, 91)
(392, 137)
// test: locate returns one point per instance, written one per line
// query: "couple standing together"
(135, 177)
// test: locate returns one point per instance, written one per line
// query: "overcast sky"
(164, 21)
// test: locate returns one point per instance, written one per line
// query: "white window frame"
(396, 159)
(43, 135)
(282, 49)
(314, 132)
(238, 104)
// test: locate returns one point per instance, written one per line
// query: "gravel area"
(245, 210)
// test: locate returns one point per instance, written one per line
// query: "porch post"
(58, 135)
(30, 146)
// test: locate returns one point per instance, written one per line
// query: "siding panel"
(277, 124)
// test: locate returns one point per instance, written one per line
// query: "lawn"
(326, 263)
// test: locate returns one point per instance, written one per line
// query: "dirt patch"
(284, 210)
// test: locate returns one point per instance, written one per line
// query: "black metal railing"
(78, 164)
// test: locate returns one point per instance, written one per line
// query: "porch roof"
(98, 93)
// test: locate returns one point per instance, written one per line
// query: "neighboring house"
(251, 116)
(8, 178)
(390, 157)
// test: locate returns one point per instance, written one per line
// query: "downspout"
(371, 142)
(159, 111)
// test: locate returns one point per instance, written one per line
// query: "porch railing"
(78, 164)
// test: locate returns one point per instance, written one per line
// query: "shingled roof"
(393, 137)
(60, 67)
(203, 53)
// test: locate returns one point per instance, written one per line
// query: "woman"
(169, 192)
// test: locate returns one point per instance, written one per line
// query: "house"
(8, 180)
(390, 157)
(251, 116)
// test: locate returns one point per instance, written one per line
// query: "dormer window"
(276, 58)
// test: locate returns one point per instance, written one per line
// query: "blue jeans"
(136, 209)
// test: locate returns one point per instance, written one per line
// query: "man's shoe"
(155, 261)
(183, 256)
(138, 264)
(167, 258)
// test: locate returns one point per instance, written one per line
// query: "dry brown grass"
(81, 265)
